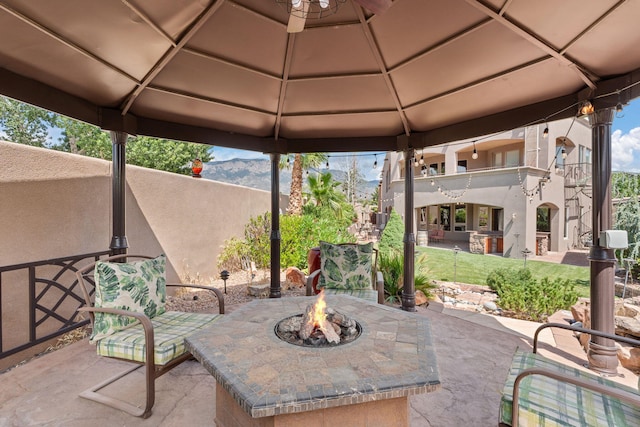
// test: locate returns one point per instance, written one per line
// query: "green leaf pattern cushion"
(345, 266)
(137, 286)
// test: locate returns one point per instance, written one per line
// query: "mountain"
(256, 173)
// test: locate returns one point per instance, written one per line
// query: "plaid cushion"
(169, 332)
(547, 402)
(367, 294)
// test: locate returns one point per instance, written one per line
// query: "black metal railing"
(54, 296)
(577, 174)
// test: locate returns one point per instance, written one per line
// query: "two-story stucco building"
(528, 189)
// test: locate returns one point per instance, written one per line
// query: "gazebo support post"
(119, 243)
(408, 288)
(602, 351)
(274, 291)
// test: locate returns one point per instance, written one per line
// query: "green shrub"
(234, 255)
(391, 265)
(392, 235)
(298, 234)
(528, 298)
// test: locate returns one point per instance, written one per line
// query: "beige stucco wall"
(55, 204)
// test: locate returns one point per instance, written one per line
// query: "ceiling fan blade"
(376, 6)
(298, 17)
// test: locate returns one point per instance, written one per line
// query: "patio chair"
(540, 391)
(129, 321)
(348, 269)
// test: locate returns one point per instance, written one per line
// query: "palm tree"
(300, 163)
(323, 192)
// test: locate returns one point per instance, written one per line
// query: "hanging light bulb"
(619, 108)
(474, 156)
(423, 170)
(415, 161)
(375, 163)
(288, 161)
(545, 132)
(307, 172)
(421, 159)
(324, 4)
(327, 165)
(564, 153)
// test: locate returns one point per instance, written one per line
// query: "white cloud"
(624, 148)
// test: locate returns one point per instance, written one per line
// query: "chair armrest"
(216, 291)
(630, 398)
(379, 285)
(618, 338)
(147, 326)
(310, 282)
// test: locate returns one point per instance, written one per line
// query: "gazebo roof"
(227, 72)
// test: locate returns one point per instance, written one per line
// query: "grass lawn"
(474, 268)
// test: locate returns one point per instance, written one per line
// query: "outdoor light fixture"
(327, 165)
(423, 170)
(432, 182)
(288, 161)
(563, 152)
(456, 249)
(196, 168)
(375, 163)
(619, 108)
(474, 156)
(415, 161)
(421, 159)
(545, 132)
(224, 275)
(311, 9)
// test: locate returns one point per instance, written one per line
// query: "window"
(483, 218)
(497, 160)
(561, 153)
(512, 158)
(445, 217)
(585, 154)
(462, 166)
(461, 218)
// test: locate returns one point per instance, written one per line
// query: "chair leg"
(92, 394)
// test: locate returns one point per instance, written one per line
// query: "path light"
(525, 254)
(224, 275)
(456, 249)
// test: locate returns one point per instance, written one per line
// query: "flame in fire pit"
(318, 326)
(317, 315)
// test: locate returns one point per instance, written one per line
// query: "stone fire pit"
(263, 380)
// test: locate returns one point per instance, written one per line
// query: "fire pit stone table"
(264, 381)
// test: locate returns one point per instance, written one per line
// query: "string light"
(421, 158)
(375, 163)
(619, 108)
(545, 132)
(452, 194)
(474, 156)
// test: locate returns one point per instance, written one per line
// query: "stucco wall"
(55, 204)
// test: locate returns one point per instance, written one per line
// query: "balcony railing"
(577, 174)
(53, 296)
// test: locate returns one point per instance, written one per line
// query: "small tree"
(392, 235)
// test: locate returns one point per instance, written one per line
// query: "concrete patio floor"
(474, 353)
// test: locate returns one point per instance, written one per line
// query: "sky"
(625, 145)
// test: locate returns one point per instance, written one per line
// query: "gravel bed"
(198, 300)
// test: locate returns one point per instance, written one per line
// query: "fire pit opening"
(318, 326)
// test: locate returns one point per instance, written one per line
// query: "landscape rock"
(259, 290)
(294, 278)
(490, 306)
(629, 357)
(421, 298)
